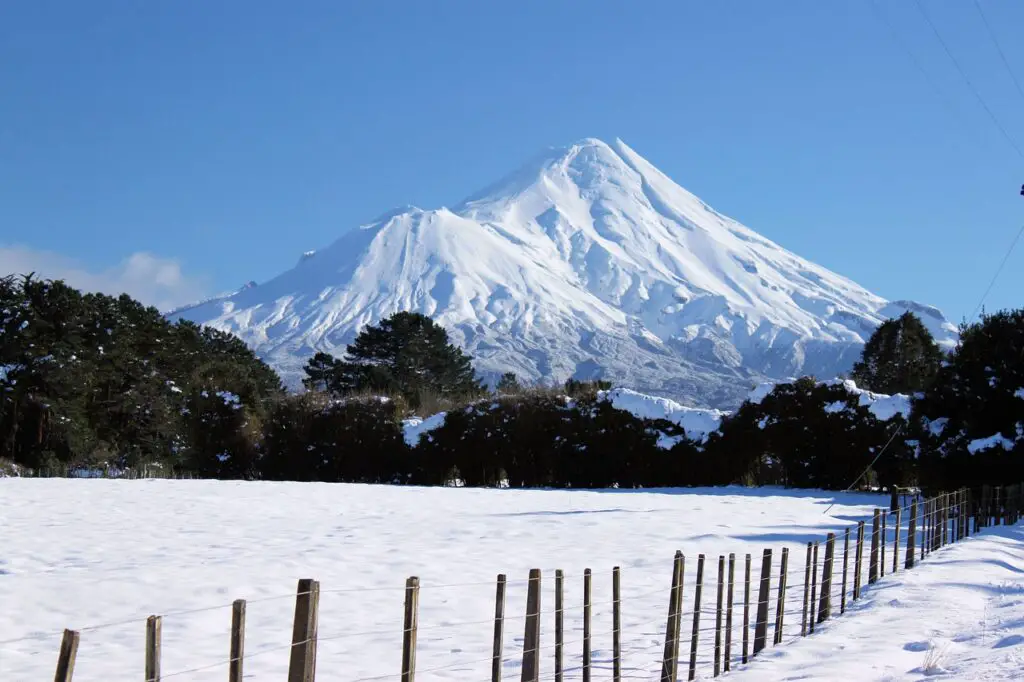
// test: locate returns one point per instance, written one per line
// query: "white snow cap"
(587, 257)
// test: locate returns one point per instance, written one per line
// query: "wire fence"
(711, 614)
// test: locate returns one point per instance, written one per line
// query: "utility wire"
(999, 49)
(999, 270)
(967, 79)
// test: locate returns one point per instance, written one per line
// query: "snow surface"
(961, 610)
(84, 553)
(1019, 393)
(414, 427)
(994, 441)
(697, 423)
(587, 262)
(883, 407)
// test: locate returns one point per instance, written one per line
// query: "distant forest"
(88, 381)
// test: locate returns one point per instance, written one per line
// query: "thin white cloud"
(150, 279)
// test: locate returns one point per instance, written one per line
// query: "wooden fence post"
(873, 567)
(696, 616)
(410, 627)
(807, 590)
(911, 535)
(153, 628)
(616, 626)
(858, 560)
(718, 616)
(825, 606)
(946, 497)
(881, 547)
(670, 662)
(728, 614)
(896, 541)
(236, 663)
(499, 627)
(814, 588)
(587, 599)
(302, 662)
(559, 621)
(531, 637)
(746, 609)
(66, 658)
(780, 605)
(761, 627)
(926, 522)
(846, 567)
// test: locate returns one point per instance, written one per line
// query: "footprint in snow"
(917, 646)
(1012, 640)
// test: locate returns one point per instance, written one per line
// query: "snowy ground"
(957, 616)
(101, 555)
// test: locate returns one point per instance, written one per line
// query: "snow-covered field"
(101, 555)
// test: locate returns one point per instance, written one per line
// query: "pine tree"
(900, 357)
(509, 384)
(321, 373)
(409, 354)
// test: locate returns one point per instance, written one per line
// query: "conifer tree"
(900, 357)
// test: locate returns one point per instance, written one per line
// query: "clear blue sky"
(229, 137)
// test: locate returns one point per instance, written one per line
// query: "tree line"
(89, 380)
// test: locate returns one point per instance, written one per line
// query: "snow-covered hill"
(587, 262)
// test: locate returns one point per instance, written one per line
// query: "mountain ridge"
(587, 261)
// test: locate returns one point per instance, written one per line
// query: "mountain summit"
(587, 262)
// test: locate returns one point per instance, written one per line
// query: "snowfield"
(101, 555)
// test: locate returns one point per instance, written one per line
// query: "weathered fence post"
(761, 627)
(302, 663)
(559, 618)
(896, 541)
(881, 547)
(153, 628)
(499, 627)
(728, 613)
(946, 497)
(873, 567)
(858, 560)
(825, 606)
(587, 580)
(911, 535)
(846, 567)
(807, 590)
(814, 589)
(670, 661)
(696, 616)
(410, 626)
(616, 626)
(531, 636)
(66, 657)
(925, 522)
(746, 609)
(780, 605)
(237, 660)
(718, 615)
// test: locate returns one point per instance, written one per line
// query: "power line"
(999, 49)
(999, 270)
(967, 79)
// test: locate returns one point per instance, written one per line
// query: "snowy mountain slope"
(586, 262)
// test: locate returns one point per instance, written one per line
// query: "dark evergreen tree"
(900, 357)
(509, 384)
(970, 422)
(321, 373)
(408, 354)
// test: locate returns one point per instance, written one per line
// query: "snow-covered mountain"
(588, 262)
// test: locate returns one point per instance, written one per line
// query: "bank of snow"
(957, 616)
